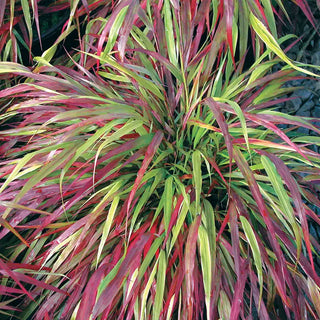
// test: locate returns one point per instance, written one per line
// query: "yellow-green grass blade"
(27, 17)
(114, 31)
(284, 199)
(142, 81)
(142, 39)
(49, 53)
(224, 306)
(178, 225)
(161, 281)
(270, 17)
(242, 119)
(273, 45)
(197, 176)
(150, 255)
(169, 33)
(210, 226)
(107, 226)
(168, 199)
(314, 291)
(247, 228)
(146, 290)
(206, 265)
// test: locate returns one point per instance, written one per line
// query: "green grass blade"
(161, 281)
(168, 197)
(107, 226)
(114, 31)
(284, 199)
(169, 33)
(255, 250)
(206, 265)
(197, 176)
(273, 45)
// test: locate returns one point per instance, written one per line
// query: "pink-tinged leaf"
(304, 6)
(262, 310)
(253, 185)
(127, 26)
(223, 225)
(37, 283)
(36, 18)
(4, 290)
(106, 297)
(199, 21)
(50, 304)
(109, 24)
(138, 143)
(190, 258)
(275, 118)
(164, 61)
(216, 167)
(7, 225)
(261, 10)
(268, 124)
(211, 52)
(282, 74)
(6, 271)
(237, 301)
(313, 215)
(215, 107)
(88, 299)
(186, 16)
(296, 196)
(26, 266)
(151, 150)
(175, 287)
(69, 232)
(85, 4)
(202, 11)
(2, 8)
(303, 261)
(232, 211)
(203, 125)
(247, 104)
(3, 307)
(228, 14)
(263, 143)
(173, 219)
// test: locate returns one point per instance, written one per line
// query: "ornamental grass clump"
(146, 176)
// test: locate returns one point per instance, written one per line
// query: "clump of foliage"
(149, 177)
(28, 27)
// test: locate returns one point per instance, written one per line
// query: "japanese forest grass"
(149, 178)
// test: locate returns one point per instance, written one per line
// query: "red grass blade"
(89, 296)
(252, 183)
(7, 225)
(6, 271)
(304, 6)
(152, 149)
(134, 254)
(190, 254)
(2, 9)
(296, 196)
(215, 107)
(237, 301)
(228, 13)
(126, 27)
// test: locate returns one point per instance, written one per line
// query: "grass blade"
(161, 280)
